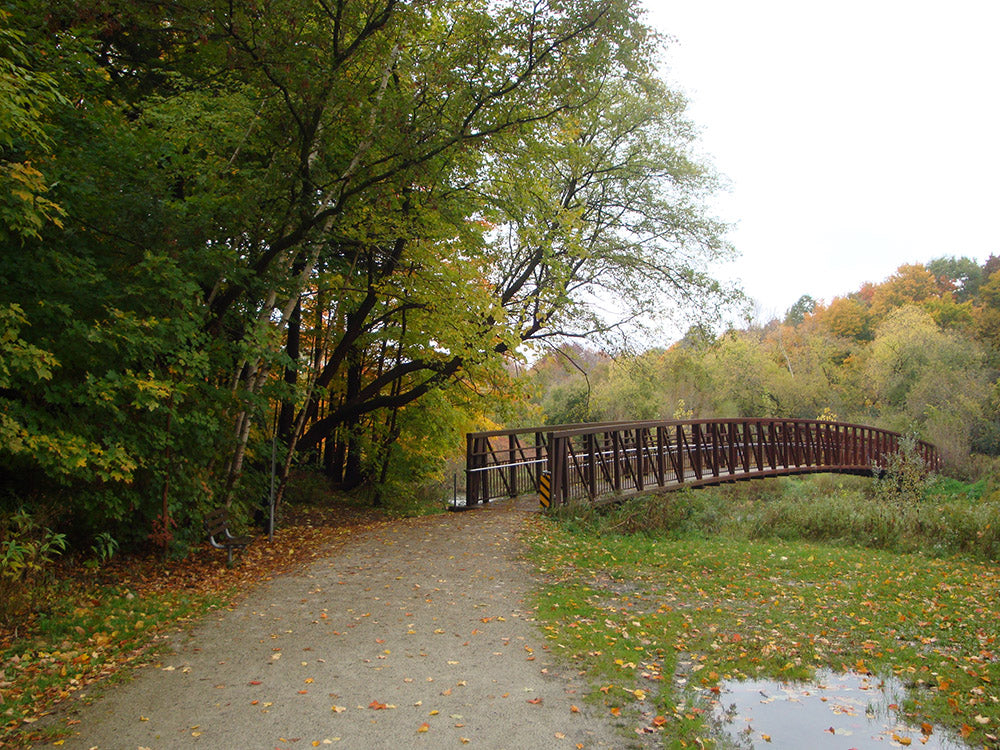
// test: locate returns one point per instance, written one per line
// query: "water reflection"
(840, 711)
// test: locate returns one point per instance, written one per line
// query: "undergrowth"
(947, 518)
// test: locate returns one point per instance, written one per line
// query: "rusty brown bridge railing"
(604, 462)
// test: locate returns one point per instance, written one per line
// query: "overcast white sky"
(856, 135)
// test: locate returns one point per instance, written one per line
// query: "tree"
(925, 379)
(322, 205)
(611, 200)
(910, 284)
(989, 314)
(846, 317)
(959, 276)
(797, 313)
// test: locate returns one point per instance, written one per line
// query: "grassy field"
(740, 583)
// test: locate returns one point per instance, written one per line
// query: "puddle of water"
(839, 711)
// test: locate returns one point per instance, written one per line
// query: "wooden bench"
(219, 535)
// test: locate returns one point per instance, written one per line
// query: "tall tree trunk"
(286, 418)
(352, 466)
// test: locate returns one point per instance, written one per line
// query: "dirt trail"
(414, 634)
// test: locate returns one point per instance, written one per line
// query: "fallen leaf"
(424, 727)
(535, 701)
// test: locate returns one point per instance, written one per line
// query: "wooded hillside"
(917, 353)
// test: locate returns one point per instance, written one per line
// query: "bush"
(26, 551)
(901, 486)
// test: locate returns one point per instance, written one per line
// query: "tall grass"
(946, 517)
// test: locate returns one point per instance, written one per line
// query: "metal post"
(270, 521)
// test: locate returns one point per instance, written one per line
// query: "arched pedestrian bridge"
(605, 462)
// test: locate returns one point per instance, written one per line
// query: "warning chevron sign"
(544, 490)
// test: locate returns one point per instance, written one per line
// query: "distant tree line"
(917, 353)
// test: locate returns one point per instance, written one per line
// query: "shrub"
(26, 551)
(900, 487)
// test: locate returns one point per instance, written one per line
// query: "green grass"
(656, 619)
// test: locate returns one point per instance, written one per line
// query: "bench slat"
(219, 535)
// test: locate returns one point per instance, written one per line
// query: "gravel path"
(414, 634)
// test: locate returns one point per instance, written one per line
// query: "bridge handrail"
(667, 454)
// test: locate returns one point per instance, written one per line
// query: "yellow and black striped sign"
(544, 490)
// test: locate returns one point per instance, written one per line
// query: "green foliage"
(796, 314)
(26, 96)
(104, 547)
(933, 517)
(317, 212)
(903, 483)
(27, 549)
(960, 276)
